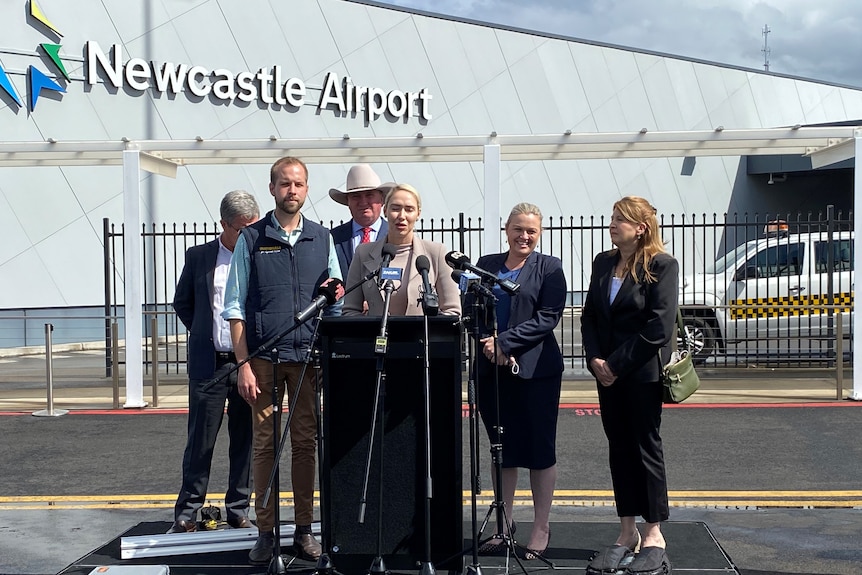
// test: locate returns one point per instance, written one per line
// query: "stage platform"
(692, 549)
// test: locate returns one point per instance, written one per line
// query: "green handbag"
(678, 377)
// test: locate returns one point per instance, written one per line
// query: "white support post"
(133, 278)
(857, 264)
(491, 234)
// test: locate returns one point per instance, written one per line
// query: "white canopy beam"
(857, 265)
(491, 233)
(133, 279)
(438, 148)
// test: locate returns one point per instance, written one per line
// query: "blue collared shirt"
(236, 290)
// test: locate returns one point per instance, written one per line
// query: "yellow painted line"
(562, 498)
(558, 494)
(771, 503)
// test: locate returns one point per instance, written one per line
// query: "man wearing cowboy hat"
(364, 195)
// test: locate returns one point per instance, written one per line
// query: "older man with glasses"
(199, 301)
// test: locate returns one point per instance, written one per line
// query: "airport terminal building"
(267, 70)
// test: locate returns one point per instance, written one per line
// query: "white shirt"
(221, 327)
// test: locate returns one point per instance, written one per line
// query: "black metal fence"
(783, 313)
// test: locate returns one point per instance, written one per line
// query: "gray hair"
(238, 204)
(526, 209)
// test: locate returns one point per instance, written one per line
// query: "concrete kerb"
(8, 352)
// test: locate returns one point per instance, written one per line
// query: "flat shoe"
(612, 559)
(183, 526)
(306, 547)
(650, 560)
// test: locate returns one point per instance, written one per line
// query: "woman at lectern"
(627, 322)
(401, 208)
(529, 366)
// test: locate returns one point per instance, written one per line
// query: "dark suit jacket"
(342, 238)
(642, 319)
(534, 313)
(193, 304)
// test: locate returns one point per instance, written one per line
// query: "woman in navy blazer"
(529, 366)
(628, 319)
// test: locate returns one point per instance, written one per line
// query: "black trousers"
(206, 411)
(631, 417)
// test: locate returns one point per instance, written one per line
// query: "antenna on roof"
(765, 48)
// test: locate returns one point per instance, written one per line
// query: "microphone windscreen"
(457, 260)
(329, 290)
(422, 264)
(389, 250)
(456, 275)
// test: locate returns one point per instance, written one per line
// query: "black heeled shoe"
(532, 554)
(489, 548)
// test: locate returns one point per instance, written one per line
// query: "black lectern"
(349, 373)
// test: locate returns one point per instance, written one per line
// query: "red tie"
(366, 235)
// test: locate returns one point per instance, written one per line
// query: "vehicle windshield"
(728, 260)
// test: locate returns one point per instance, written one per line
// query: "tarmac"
(778, 439)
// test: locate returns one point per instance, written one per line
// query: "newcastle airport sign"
(269, 86)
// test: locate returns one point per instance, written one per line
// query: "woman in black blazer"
(529, 366)
(628, 319)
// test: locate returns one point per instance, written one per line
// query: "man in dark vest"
(277, 266)
(364, 196)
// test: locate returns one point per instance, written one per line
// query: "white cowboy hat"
(360, 178)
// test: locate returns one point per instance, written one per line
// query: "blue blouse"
(504, 300)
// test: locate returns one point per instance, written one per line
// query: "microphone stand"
(276, 564)
(475, 471)
(505, 527)
(378, 567)
(324, 562)
(427, 567)
(279, 439)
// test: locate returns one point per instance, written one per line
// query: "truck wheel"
(700, 338)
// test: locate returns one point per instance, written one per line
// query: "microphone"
(389, 251)
(326, 296)
(459, 261)
(430, 301)
(465, 280)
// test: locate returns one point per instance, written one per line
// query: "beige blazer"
(368, 257)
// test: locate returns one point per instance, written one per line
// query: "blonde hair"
(526, 209)
(637, 210)
(406, 188)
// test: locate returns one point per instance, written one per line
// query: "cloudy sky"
(817, 39)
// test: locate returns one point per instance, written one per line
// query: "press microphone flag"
(327, 295)
(464, 279)
(430, 301)
(459, 261)
(387, 273)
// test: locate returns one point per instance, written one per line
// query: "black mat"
(692, 549)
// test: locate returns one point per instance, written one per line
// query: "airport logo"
(270, 86)
(37, 80)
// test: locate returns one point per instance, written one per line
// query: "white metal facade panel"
(482, 80)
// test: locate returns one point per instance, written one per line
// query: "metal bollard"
(839, 356)
(49, 372)
(154, 332)
(115, 362)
